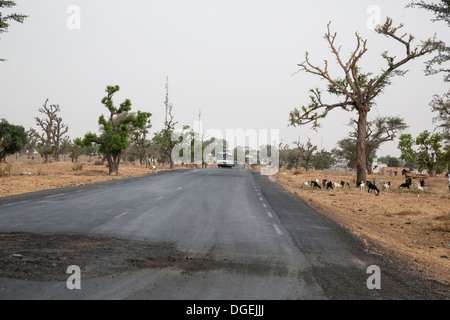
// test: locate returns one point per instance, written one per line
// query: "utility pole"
(167, 98)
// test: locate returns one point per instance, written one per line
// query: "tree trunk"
(369, 166)
(110, 164)
(433, 172)
(171, 163)
(113, 164)
(361, 163)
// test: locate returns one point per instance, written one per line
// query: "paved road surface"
(261, 241)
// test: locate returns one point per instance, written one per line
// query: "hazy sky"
(234, 60)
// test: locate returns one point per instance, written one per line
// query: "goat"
(314, 184)
(407, 184)
(330, 185)
(324, 182)
(386, 185)
(338, 185)
(361, 185)
(342, 183)
(371, 187)
(306, 184)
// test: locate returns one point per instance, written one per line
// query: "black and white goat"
(371, 186)
(407, 184)
(314, 184)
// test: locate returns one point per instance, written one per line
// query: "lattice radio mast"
(167, 98)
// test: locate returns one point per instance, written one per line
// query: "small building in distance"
(393, 171)
(341, 164)
(377, 167)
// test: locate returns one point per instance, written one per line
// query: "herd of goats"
(371, 185)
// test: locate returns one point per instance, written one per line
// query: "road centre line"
(269, 214)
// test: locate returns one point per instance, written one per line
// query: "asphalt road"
(255, 241)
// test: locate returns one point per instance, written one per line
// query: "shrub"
(77, 167)
(299, 171)
(5, 170)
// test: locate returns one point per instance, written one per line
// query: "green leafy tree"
(380, 130)
(357, 90)
(12, 139)
(346, 149)
(293, 159)
(167, 139)
(427, 150)
(115, 130)
(6, 20)
(390, 161)
(139, 136)
(33, 140)
(75, 149)
(283, 152)
(441, 105)
(322, 160)
(441, 11)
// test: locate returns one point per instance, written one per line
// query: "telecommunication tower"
(167, 98)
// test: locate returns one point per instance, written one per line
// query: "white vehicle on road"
(225, 159)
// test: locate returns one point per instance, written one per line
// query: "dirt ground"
(411, 224)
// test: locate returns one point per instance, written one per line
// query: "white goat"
(336, 186)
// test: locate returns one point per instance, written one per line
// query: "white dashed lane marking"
(121, 215)
(277, 229)
(54, 196)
